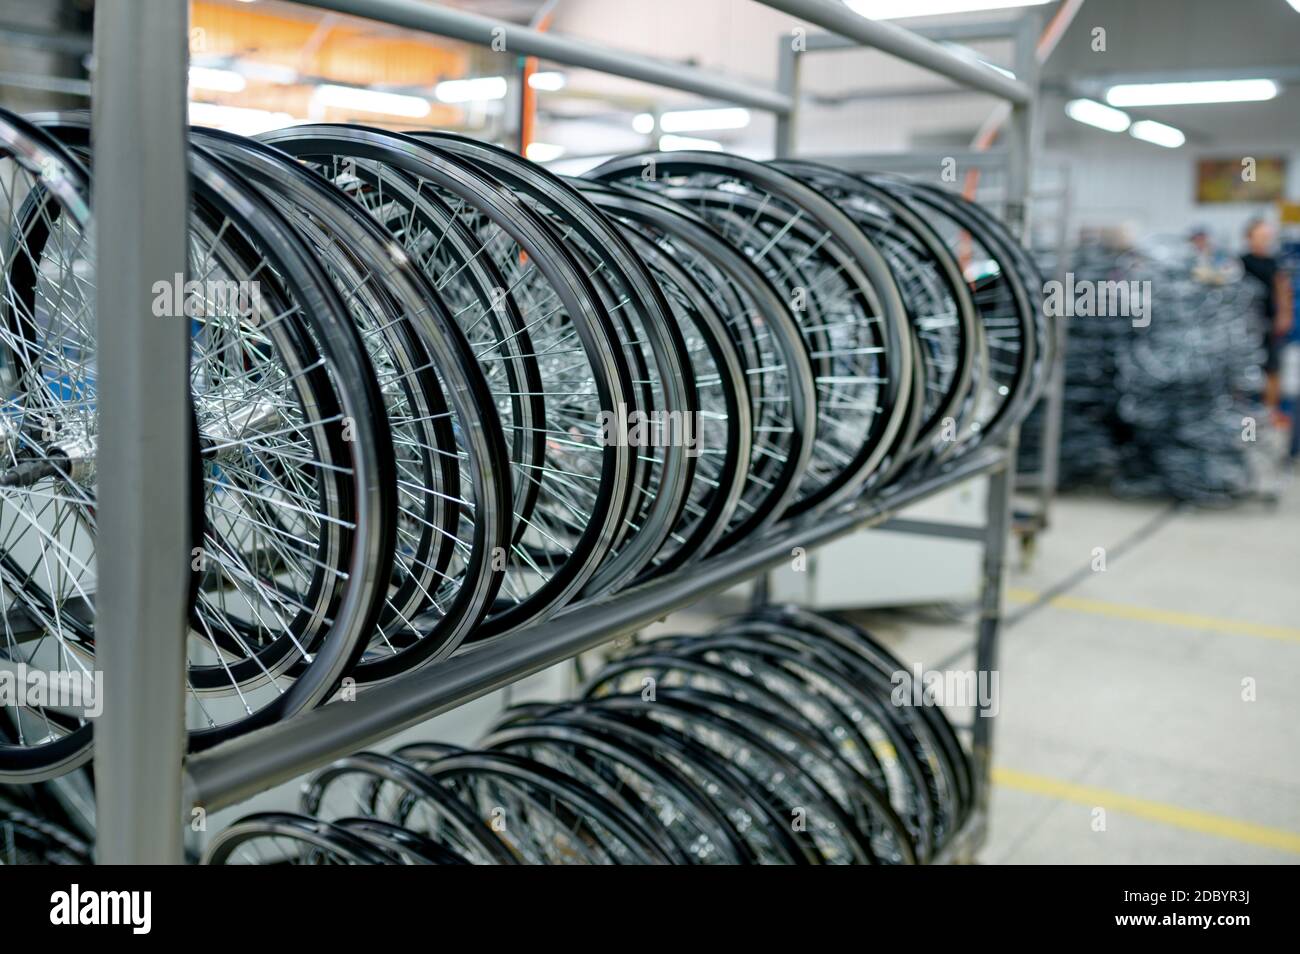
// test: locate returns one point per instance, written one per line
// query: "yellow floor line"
(1145, 614)
(1202, 822)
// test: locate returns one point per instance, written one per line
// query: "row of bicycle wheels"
(775, 739)
(439, 393)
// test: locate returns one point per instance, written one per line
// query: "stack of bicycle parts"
(778, 738)
(1162, 403)
(440, 394)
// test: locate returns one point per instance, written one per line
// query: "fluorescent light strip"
(268, 72)
(548, 81)
(371, 101)
(699, 120)
(220, 81)
(899, 9)
(238, 119)
(1158, 133)
(674, 143)
(543, 151)
(478, 89)
(1181, 94)
(1092, 113)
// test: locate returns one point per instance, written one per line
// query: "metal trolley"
(147, 789)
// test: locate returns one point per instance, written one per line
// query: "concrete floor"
(1123, 735)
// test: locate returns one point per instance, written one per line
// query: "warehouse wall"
(1153, 191)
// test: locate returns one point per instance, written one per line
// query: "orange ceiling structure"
(343, 51)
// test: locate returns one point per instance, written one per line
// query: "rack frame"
(142, 803)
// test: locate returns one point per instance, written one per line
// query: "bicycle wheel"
(1004, 380)
(294, 458)
(777, 367)
(852, 647)
(854, 716)
(775, 708)
(684, 821)
(394, 791)
(452, 491)
(282, 838)
(548, 818)
(937, 300)
(47, 566)
(813, 813)
(667, 405)
(27, 838)
(447, 214)
(758, 819)
(411, 848)
(842, 292)
(723, 444)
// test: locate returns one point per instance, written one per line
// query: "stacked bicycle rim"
(439, 394)
(774, 739)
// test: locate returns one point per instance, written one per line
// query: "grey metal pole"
(789, 59)
(1021, 130)
(508, 37)
(140, 193)
(1054, 408)
(939, 33)
(888, 38)
(989, 626)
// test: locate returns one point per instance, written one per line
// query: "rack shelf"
(245, 766)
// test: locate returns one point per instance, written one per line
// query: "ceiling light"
(1159, 133)
(548, 80)
(643, 123)
(898, 9)
(221, 81)
(371, 101)
(1179, 94)
(696, 120)
(673, 143)
(268, 72)
(471, 90)
(1095, 114)
(238, 119)
(543, 151)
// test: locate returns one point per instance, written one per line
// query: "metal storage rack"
(147, 788)
(1035, 487)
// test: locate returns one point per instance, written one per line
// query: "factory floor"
(1149, 711)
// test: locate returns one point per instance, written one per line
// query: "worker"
(1261, 265)
(1210, 265)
